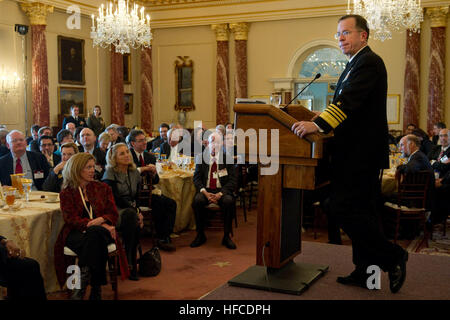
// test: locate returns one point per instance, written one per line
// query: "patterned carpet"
(439, 245)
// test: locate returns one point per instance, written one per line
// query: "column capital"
(221, 31)
(36, 12)
(240, 30)
(438, 16)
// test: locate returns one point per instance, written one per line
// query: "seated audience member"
(441, 207)
(88, 141)
(95, 122)
(425, 143)
(215, 182)
(440, 155)
(198, 141)
(103, 141)
(90, 216)
(47, 148)
(32, 164)
(417, 160)
(155, 143)
(74, 117)
(71, 127)
(34, 133)
(221, 129)
(3, 148)
(54, 180)
(123, 178)
(114, 134)
(63, 136)
(436, 129)
(164, 209)
(77, 137)
(43, 131)
(229, 127)
(123, 132)
(409, 129)
(22, 275)
(177, 144)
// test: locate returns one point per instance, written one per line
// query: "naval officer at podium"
(357, 115)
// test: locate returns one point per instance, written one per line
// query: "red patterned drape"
(436, 80)
(411, 109)
(39, 81)
(117, 102)
(146, 90)
(222, 88)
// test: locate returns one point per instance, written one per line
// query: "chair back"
(145, 191)
(413, 189)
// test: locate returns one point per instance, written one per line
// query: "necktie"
(141, 160)
(212, 179)
(19, 168)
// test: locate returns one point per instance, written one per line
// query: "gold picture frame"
(68, 96)
(393, 108)
(128, 103)
(184, 84)
(71, 60)
(127, 68)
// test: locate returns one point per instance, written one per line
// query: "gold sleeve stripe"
(335, 114)
(343, 115)
(329, 119)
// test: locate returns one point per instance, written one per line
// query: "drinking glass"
(10, 197)
(16, 182)
(275, 99)
(26, 185)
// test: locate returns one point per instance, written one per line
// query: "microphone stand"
(301, 91)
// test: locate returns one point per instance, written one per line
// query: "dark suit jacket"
(155, 143)
(148, 159)
(358, 114)
(37, 162)
(53, 182)
(3, 257)
(81, 122)
(3, 150)
(436, 151)
(227, 182)
(418, 162)
(164, 148)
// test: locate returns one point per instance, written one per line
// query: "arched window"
(329, 62)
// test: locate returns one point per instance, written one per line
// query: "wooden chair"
(145, 204)
(240, 192)
(216, 219)
(113, 264)
(411, 200)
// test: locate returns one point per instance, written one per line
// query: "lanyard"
(84, 203)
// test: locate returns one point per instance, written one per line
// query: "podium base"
(293, 278)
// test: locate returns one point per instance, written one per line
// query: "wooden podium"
(302, 165)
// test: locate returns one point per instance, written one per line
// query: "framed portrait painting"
(68, 96)
(128, 103)
(127, 68)
(71, 60)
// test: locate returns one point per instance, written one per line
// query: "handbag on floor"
(149, 262)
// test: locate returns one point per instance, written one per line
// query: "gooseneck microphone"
(303, 89)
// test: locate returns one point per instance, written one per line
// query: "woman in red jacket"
(90, 214)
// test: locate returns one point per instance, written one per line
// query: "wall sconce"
(9, 85)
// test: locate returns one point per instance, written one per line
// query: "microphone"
(315, 78)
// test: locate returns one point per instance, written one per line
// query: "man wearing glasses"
(357, 115)
(32, 164)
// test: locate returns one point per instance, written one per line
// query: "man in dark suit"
(436, 130)
(215, 181)
(47, 148)
(155, 143)
(21, 275)
(417, 160)
(440, 155)
(357, 115)
(43, 131)
(3, 148)
(164, 209)
(34, 133)
(33, 165)
(74, 117)
(88, 142)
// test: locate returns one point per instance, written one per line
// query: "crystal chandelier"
(122, 25)
(9, 85)
(386, 15)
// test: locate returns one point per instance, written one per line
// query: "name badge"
(98, 168)
(38, 175)
(223, 173)
(215, 175)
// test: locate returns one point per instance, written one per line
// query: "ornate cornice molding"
(240, 30)
(438, 16)
(36, 12)
(221, 31)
